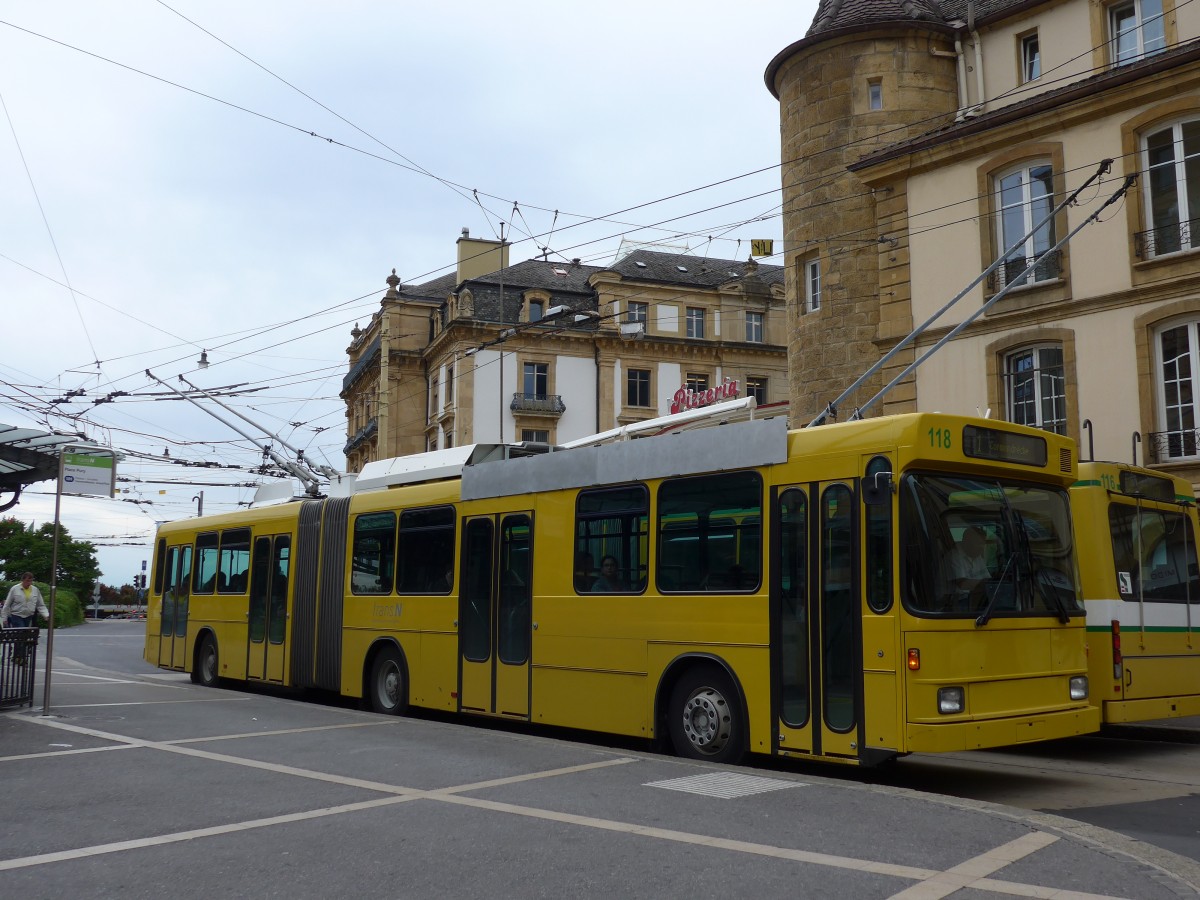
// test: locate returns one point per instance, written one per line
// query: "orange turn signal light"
(914, 659)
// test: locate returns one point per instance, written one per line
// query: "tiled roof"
(538, 273)
(832, 14)
(681, 268)
(435, 290)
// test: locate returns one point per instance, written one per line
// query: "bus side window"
(611, 524)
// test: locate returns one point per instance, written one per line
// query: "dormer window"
(1031, 58)
(536, 310)
(1136, 29)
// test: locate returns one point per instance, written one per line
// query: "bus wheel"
(705, 720)
(388, 691)
(204, 668)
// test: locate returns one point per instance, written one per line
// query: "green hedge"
(67, 609)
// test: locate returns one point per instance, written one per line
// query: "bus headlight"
(950, 700)
(1079, 687)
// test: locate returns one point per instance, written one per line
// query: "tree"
(27, 549)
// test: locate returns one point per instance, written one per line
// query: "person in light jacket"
(23, 603)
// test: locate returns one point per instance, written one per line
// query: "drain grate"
(725, 785)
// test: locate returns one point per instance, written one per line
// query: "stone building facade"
(553, 351)
(952, 130)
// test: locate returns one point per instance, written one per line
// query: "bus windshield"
(982, 548)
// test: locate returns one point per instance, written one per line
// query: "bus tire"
(705, 717)
(387, 689)
(206, 665)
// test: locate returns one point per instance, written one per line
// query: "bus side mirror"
(877, 489)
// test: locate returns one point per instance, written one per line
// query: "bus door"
(819, 654)
(1155, 554)
(268, 608)
(177, 581)
(495, 621)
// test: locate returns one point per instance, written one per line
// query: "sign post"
(82, 469)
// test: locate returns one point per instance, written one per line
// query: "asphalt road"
(568, 799)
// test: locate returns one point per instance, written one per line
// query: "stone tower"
(869, 73)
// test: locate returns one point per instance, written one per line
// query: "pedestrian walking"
(22, 605)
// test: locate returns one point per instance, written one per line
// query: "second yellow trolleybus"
(1136, 530)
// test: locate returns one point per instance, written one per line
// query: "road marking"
(143, 702)
(967, 874)
(217, 830)
(932, 883)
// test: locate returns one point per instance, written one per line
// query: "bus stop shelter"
(27, 456)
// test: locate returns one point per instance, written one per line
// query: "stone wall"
(826, 124)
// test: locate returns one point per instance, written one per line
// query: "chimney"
(478, 257)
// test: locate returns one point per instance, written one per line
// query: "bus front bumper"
(987, 733)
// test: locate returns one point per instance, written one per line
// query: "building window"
(535, 435)
(696, 382)
(637, 312)
(433, 395)
(1031, 58)
(448, 437)
(1179, 362)
(695, 322)
(812, 284)
(536, 310)
(1136, 29)
(875, 94)
(449, 384)
(754, 327)
(1172, 163)
(637, 383)
(756, 387)
(535, 380)
(1024, 197)
(1036, 388)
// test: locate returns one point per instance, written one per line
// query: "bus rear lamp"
(950, 700)
(1079, 687)
(1116, 650)
(914, 659)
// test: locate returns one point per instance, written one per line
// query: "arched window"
(1035, 387)
(1023, 198)
(1171, 159)
(1177, 362)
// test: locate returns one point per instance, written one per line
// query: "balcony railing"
(1164, 446)
(361, 436)
(1047, 268)
(538, 404)
(1163, 240)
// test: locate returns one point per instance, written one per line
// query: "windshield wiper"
(1020, 551)
(986, 614)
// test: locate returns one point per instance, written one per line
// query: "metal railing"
(1047, 267)
(1164, 446)
(546, 404)
(363, 434)
(18, 662)
(1163, 240)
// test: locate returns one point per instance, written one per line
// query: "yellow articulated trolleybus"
(734, 589)
(1136, 529)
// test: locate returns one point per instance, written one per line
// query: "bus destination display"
(1005, 446)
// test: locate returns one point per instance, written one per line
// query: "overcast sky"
(166, 187)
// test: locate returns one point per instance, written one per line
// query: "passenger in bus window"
(609, 580)
(968, 560)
